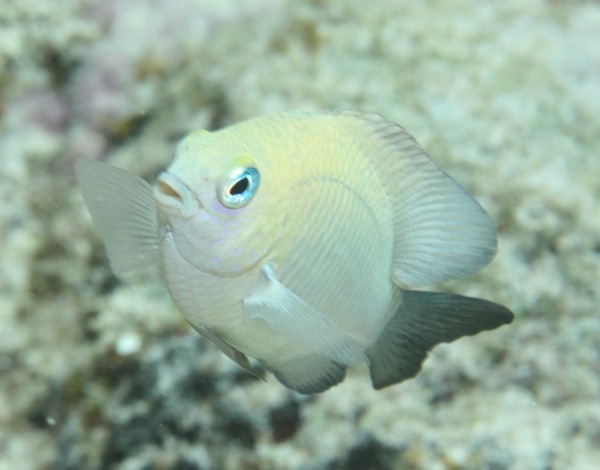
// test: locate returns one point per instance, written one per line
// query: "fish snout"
(172, 193)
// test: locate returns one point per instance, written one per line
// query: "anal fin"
(423, 320)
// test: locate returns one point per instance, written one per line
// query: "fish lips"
(174, 196)
(186, 222)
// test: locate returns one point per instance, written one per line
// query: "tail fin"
(124, 212)
(423, 320)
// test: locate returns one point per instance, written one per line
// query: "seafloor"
(96, 373)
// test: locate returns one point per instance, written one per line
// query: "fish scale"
(339, 262)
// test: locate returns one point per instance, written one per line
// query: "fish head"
(218, 204)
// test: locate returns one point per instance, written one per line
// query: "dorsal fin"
(440, 231)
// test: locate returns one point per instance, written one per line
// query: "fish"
(300, 243)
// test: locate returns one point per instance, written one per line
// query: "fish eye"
(239, 187)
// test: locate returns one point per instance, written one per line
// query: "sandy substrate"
(97, 373)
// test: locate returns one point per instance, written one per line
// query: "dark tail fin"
(423, 320)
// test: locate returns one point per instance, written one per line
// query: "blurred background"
(96, 373)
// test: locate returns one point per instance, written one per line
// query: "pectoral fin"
(423, 320)
(294, 319)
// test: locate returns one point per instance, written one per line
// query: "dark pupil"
(239, 187)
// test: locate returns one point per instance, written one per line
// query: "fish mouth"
(173, 194)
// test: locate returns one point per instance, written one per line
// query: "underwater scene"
(299, 235)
